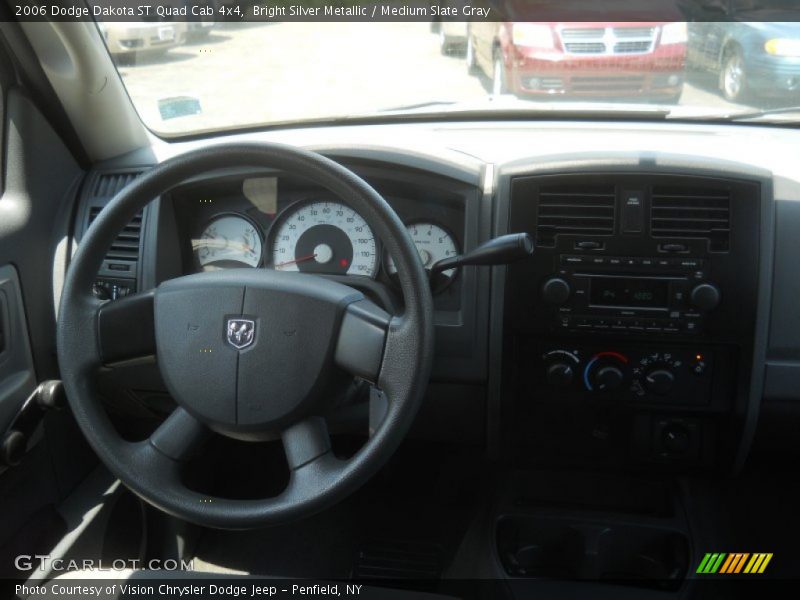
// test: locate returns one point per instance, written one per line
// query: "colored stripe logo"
(733, 563)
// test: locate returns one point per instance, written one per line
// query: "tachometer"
(324, 237)
(226, 242)
(433, 244)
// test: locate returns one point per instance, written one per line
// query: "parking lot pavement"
(257, 73)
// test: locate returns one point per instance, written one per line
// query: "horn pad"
(248, 350)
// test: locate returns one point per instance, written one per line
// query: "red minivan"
(613, 60)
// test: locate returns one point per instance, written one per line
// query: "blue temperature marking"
(586, 374)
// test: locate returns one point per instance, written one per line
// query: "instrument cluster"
(247, 224)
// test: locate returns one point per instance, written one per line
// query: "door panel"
(17, 378)
(40, 179)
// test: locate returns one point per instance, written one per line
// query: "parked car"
(749, 59)
(199, 26)
(452, 33)
(644, 60)
(452, 36)
(126, 39)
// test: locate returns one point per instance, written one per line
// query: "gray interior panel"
(17, 378)
(783, 360)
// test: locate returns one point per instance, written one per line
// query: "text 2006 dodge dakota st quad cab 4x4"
(305, 307)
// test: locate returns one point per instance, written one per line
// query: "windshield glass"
(202, 75)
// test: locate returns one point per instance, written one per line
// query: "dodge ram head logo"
(240, 333)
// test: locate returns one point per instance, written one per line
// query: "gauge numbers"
(324, 237)
(433, 244)
(227, 242)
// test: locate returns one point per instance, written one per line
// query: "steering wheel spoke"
(126, 329)
(305, 442)
(362, 338)
(180, 435)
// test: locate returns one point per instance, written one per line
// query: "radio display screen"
(620, 291)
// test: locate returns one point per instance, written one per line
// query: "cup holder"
(558, 548)
(533, 548)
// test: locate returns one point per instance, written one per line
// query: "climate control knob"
(659, 381)
(705, 296)
(608, 378)
(556, 291)
(560, 374)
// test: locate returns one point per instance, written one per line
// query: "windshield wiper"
(418, 105)
(764, 112)
(503, 107)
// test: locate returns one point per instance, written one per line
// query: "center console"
(628, 336)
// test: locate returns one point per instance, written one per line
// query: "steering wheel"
(247, 352)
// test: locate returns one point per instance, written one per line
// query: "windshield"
(186, 77)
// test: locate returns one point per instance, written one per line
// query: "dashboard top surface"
(461, 149)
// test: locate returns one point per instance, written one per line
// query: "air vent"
(574, 209)
(108, 184)
(682, 212)
(126, 245)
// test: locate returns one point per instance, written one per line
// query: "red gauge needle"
(296, 260)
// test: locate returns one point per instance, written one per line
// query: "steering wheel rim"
(151, 468)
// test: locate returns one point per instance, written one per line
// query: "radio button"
(635, 325)
(653, 326)
(619, 324)
(691, 263)
(572, 260)
(589, 245)
(672, 247)
(678, 293)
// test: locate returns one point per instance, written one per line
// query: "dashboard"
(641, 334)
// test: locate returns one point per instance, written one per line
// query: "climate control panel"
(633, 374)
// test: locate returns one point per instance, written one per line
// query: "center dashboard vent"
(574, 209)
(691, 212)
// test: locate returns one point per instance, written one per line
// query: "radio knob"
(705, 296)
(608, 378)
(555, 291)
(560, 374)
(659, 381)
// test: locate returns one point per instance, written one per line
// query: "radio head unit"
(657, 295)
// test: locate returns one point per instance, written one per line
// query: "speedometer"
(228, 241)
(324, 237)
